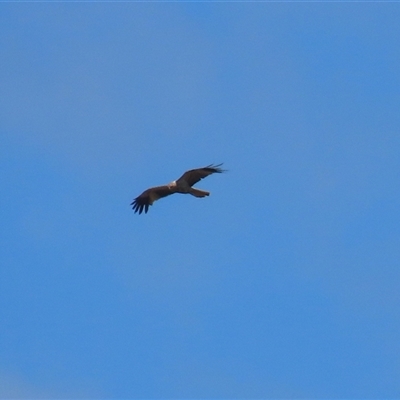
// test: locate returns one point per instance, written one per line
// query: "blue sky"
(284, 283)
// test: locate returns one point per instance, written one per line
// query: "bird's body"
(182, 185)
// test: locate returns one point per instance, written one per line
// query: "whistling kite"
(182, 185)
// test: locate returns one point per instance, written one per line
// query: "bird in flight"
(182, 185)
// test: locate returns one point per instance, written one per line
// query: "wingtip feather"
(216, 168)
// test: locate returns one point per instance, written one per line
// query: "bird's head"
(172, 184)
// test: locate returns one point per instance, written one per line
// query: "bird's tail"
(198, 192)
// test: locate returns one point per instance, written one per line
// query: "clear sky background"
(284, 283)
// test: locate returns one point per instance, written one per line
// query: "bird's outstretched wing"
(195, 175)
(149, 196)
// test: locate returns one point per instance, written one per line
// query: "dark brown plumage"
(182, 185)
